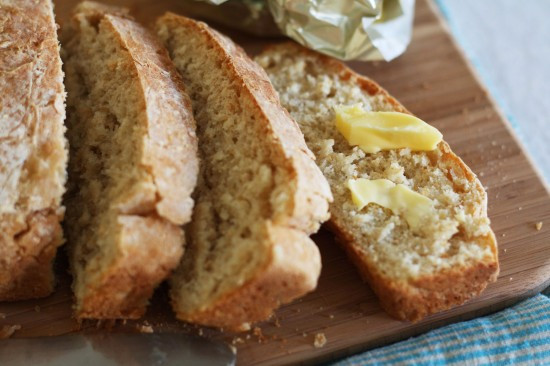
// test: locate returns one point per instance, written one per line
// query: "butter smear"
(400, 199)
(375, 131)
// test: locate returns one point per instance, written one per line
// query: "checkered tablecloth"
(519, 335)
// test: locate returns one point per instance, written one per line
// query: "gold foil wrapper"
(345, 29)
(348, 29)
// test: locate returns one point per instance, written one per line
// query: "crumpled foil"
(345, 29)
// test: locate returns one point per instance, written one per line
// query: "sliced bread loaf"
(259, 194)
(414, 274)
(33, 154)
(133, 162)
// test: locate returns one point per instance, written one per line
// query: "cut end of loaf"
(402, 266)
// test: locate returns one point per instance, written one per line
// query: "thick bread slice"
(33, 153)
(259, 194)
(454, 257)
(133, 162)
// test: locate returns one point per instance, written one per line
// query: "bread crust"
(149, 240)
(426, 295)
(291, 270)
(138, 269)
(30, 275)
(281, 278)
(33, 152)
(174, 166)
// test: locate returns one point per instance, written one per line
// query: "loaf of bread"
(259, 194)
(133, 162)
(414, 274)
(33, 153)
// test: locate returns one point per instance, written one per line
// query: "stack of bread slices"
(184, 165)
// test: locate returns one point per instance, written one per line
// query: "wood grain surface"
(433, 80)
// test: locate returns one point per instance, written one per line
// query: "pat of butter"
(397, 197)
(375, 131)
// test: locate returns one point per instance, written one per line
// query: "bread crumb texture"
(33, 154)
(133, 162)
(456, 235)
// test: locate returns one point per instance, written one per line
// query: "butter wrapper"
(348, 29)
(345, 29)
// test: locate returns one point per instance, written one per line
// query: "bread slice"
(33, 152)
(454, 257)
(259, 194)
(133, 162)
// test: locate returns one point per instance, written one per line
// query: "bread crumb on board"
(145, 328)
(2, 316)
(538, 225)
(237, 340)
(258, 333)
(6, 331)
(320, 340)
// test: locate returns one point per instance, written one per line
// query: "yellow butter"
(375, 131)
(397, 197)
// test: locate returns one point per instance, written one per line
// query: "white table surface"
(508, 42)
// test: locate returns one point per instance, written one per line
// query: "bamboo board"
(433, 80)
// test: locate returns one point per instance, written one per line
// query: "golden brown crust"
(32, 148)
(170, 151)
(290, 271)
(429, 294)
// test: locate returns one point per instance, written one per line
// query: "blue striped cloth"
(516, 336)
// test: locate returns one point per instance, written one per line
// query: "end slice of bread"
(33, 152)
(259, 194)
(414, 274)
(133, 162)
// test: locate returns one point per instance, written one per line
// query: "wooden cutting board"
(434, 81)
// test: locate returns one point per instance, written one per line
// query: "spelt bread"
(454, 256)
(33, 153)
(133, 162)
(259, 194)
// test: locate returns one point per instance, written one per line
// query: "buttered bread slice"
(33, 152)
(133, 162)
(259, 194)
(410, 214)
